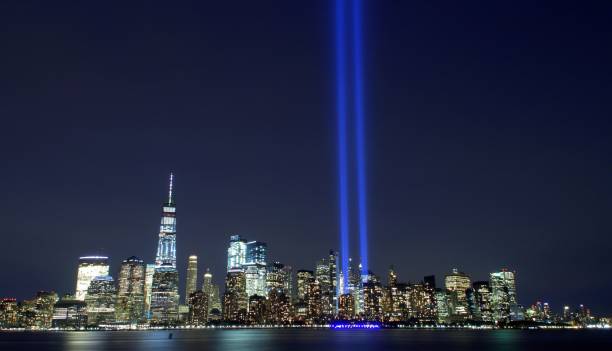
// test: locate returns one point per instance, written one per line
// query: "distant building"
(258, 310)
(70, 313)
(482, 296)
(255, 268)
(166, 246)
(130, 307)
(373, 295)
(37, 313)
(192, 276)
(236, 253)
(148, 287)
(235, 300)
(422, 302)
(442, 308)
(304, 277)
(503, 295)
(8, 313)
(101, 298)
(198, 308)
(89, 268)
(456, 284)
(346, 307)
(165, 295)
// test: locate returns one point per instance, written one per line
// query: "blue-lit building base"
(355, 325)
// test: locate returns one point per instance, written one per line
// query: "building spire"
(170, 191)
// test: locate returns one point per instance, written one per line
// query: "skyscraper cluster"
(261, 291)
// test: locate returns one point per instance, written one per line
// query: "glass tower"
(166, 247)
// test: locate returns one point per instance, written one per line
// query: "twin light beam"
(345, 27)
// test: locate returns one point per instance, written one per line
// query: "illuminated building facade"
(198, 308)
(503, 295)
(89, 268)
(165, 296)
(258, 310)
(8, 313)
(482, 297)
(192, 276)
(346, 307)
(101, 298)
(166, 247)
(148, 287)
(70, 313)
(456, 284)
(130, 307)
(235, 300)
(236, 253)
(304, 277)
(421, 302)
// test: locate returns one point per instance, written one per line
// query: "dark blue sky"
(488, 137)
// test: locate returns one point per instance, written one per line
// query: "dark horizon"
(488, 138)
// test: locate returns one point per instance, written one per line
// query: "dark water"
(308, 339)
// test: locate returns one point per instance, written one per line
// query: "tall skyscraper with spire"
(164, 290)
(166, 247)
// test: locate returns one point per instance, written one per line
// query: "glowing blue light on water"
(355, 326)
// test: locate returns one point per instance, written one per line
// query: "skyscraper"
(503, 295)
(165, 295)
(89, 268)
(130, 295)
(166, 247)
(236, 252)
(149, 271)
(164, 290)
(192, 276)
(101, 297)
(235, 300)
(457, 283)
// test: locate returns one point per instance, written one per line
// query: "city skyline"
(487, 139)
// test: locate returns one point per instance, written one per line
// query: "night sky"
(488, 137)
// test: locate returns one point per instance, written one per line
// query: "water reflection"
(309, 339)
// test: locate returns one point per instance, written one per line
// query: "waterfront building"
(101, 298)
(421, 302)
(89, 268)
(503, 296)
(236, 253)
(373, 295)
(214, 301)
(165, 295)
(442, 308)
(69, 313)
(457, 283)
(280, 307)
(198, 308)
(130, 307)
(148, 288)
(8, 313)
(482, 297)
(192, 276)
(398, 302)
(165, 298)
(346, 307)
(37, 313)
(304, 277)
(258, 310)
(235, 300)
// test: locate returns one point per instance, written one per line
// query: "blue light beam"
(342, 144)
(360, 135)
